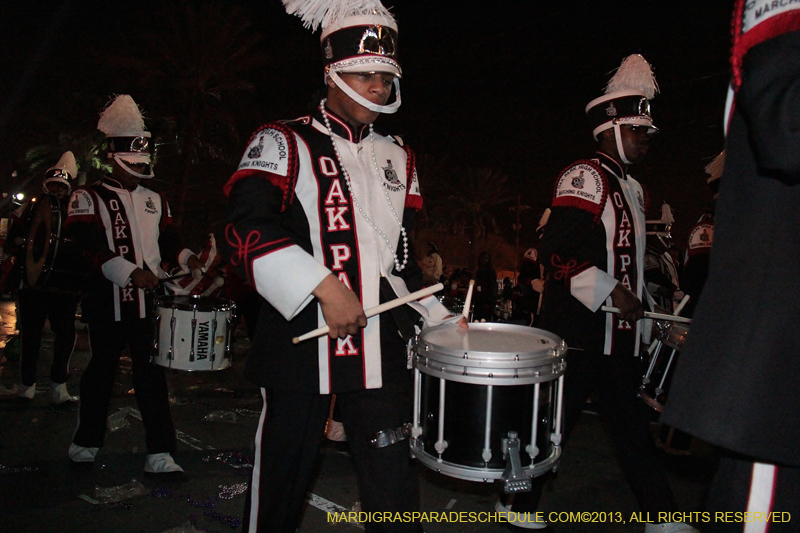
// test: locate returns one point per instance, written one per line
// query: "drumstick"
(654, 316)
(427, 291)
(468, 301)
(680, 305)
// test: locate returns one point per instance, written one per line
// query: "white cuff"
(118, 271)
(286, 278)
(591, 287)
(183, 259)
(432, 311)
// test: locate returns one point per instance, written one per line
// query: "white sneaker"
(521, 520)
(80, 454)
(670, 527)
(59, 394)
(162, 465)
(25, 392)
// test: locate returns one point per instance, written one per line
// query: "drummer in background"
(593, 250)
(35, 304)
(126, 229)
(701, 237)
(432, 265)
(320, 223)
(735, 385)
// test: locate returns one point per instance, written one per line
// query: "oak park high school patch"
(700, 239)
(582, 185)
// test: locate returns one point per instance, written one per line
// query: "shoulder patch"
(81, 203)
(582, 185)
(700, 239)
(269, 150)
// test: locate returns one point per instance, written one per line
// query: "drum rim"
(222, 304)
(428, 350)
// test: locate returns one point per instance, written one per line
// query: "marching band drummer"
(126, 229)
(593, 250)
(35, 304)
(320, 218)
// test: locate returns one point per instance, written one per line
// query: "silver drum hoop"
(490, 354)
(192, 302)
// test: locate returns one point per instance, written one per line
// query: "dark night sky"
(501, 85)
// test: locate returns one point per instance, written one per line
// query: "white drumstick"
(427, 291)
(654, 316)
(680, 305)
(468, 301)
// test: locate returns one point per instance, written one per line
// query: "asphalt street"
(216, 414)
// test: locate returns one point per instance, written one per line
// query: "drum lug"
(514, 478)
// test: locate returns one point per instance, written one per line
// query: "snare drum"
(472, 387)
(656, 381)
(193, 333)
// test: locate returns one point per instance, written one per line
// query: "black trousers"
(287, 447)
(107, 340)
(34, 307)
(615, 381)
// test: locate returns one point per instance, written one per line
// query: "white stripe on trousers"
(761, 497)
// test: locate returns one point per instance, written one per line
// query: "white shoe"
(522, 520)
(162, 465)
(335, 431)
(59, 394)
(79, 454)
(670, 527)
(25, 392)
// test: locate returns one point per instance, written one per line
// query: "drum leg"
(441, 444)
(660, 388)
(194, 330)
(654, 350)
(532, 448)
(213, 340)
(555, 438)
(487, 450)
(416, 430)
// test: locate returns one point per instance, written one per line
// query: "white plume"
(121, 118)
(634, 73)
(316, 13)
(666, 214)
(715, 168)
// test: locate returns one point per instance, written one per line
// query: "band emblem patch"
(581, 185)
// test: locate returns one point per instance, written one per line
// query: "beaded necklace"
(398, 266)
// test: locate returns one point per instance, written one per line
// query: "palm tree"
(193, 65)
(467, 201)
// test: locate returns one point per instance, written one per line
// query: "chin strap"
(620, 149)
(388, 109)
(132, 172)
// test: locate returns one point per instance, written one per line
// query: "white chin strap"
(620, 149)
(388, 109)
(132, 172)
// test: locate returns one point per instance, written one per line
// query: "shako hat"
(663, 226)
(128, 141)
(62, 172)
(357, 36)
(626, 99)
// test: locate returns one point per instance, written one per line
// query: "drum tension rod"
(387, 437)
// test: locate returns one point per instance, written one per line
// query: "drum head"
(42, 236)
(489, 340)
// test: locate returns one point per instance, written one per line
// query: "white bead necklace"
(398, 266)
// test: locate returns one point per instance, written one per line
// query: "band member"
(660, 266)
(593, 250)
(735, 385)
(126, 229)
(320, 224)
(38, 300)
(701, 238)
